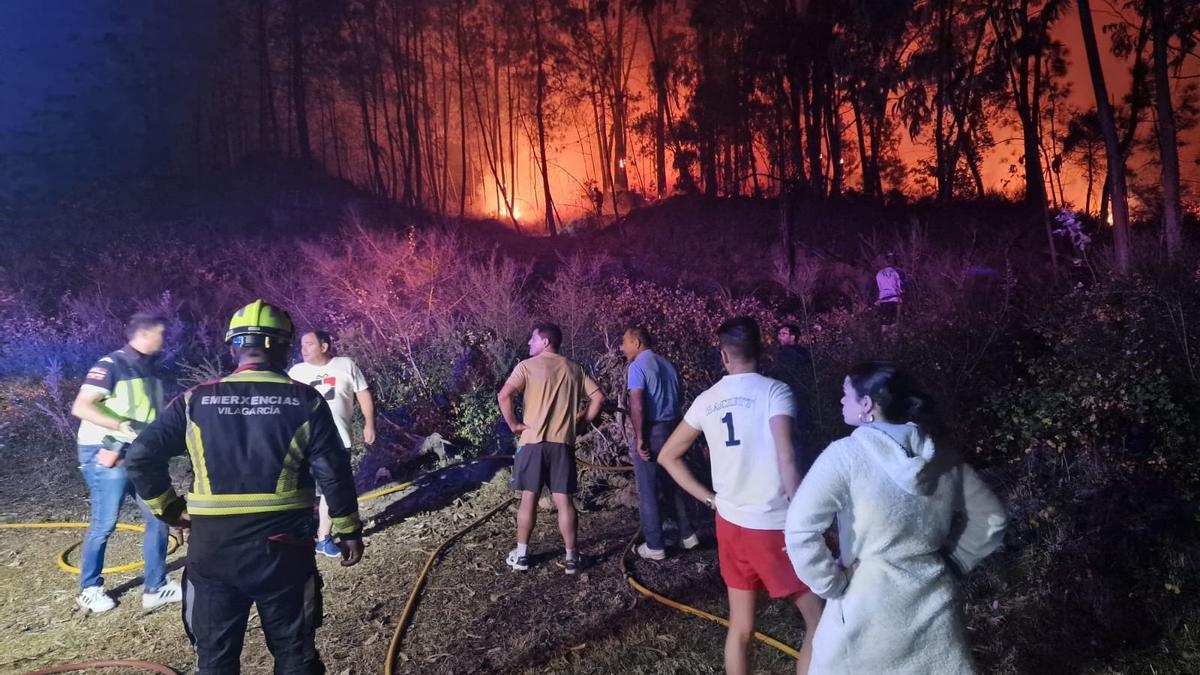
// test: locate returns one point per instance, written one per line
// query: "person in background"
(552, 387)
(340, 382)
(120, 395)
(911, 518)
(746, 420)
(654, 409)
(891, 292)
(794, 366)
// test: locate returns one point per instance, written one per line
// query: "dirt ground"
(475, 615)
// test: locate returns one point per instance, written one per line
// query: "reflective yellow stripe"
(195, 446)
(132, 399)
(258, 376)
(233, 504)
(290, 475)
(244, 510)
(159, 503)
(346, 524)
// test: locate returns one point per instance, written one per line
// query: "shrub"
(1102, 374)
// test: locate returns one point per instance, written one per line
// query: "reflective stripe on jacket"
(259, 442)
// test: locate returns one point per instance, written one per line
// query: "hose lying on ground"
(136, 665)
(406, 616)
(688, 609)
(62, 557)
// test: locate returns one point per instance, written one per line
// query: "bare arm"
(367, 403)
(85, 408)
(671, 459)
(505, 399)
(595, 401)
(637, 415)
(781, 431)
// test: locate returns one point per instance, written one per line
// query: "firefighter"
(259, 443)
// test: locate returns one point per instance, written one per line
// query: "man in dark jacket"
(259, 443)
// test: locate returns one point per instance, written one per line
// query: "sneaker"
(690, 543)
(327, 548)
(170, 592)
(651, 553)
(95, 600)
(571, 565)
(518, 563)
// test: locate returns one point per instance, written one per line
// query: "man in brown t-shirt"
(553, 388)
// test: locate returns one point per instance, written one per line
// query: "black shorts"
(545, 464)
(888, 312)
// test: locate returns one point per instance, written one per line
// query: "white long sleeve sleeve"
(822, 493)
(983, 530)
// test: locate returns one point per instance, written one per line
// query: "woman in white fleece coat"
(910, 518)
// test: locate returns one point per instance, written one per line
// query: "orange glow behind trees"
(437, 105)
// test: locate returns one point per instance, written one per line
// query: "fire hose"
(410, 604)
(688, 609)
(120, 663)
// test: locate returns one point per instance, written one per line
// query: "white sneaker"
(519, 563)
(95, 600)
(690, 542)
(169, 593)
(651, 553)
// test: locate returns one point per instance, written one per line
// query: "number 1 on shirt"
(728, 420)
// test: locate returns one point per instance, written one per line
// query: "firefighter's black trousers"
(236, 561)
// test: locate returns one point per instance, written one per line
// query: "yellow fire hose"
(174, 545)
(62, 557)
(406, 616)
(410, 605)
(688, 609)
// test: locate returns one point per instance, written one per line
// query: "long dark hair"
(899, 397)
(902, 400)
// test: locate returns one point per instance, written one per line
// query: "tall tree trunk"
(834, 123)
(462, 114)
(1116, 163)
(814, 114)
(863, 167)
(1167, 142)
(539, 54)
(658, 68)
(296, 34)
(268, 122)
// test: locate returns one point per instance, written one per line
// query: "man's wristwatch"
(709, 502)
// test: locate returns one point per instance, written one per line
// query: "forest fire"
(560, 336)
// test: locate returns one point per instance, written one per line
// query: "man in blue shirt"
(654, 409)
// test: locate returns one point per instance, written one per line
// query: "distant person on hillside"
(911, 520)
(340, 383)
(654, 409)
(746, 420)
(120, 396)
(552, 387)
(891, 292)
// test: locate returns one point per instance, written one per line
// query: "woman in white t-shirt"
(341, 383)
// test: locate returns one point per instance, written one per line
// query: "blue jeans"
(108, 489)
(654, 482)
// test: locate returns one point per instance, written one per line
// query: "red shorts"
(755, 560)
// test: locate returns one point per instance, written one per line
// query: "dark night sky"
(78, 99)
